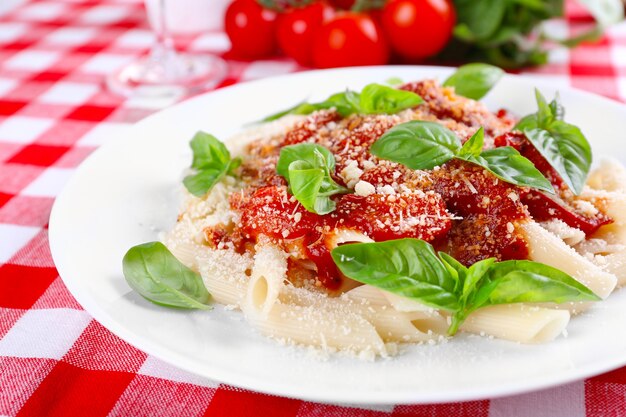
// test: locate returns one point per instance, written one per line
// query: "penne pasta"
(518, 323)
(268, 275)
(546, 248)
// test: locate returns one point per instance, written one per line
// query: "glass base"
(165, 74)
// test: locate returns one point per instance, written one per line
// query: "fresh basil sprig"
(152, 271)
(410, 268)
(474, 80)
(425, 145)
(307, 168)
(373, 99)
(563, 145)
(211, 161)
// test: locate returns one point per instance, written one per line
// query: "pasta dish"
(397, 214)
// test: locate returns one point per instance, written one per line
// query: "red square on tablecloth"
(84, 392)
(9, 107)
(236, 403)
(35, 154)
(21, 286)
(91, 113)
(98, 348)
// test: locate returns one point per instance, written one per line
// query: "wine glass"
(164, 72)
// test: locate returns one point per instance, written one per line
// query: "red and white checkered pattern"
(55, 360)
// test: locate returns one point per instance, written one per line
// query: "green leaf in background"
(211, 161)
(563, 145)
(152, 271)
(410, 268)
(374, 99)
(474, 80)
(307, 168)
(417, 144)
(406, 267)
(479, 18)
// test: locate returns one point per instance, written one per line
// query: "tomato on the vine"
(251, 29)
(350, 39)
(296, 30)
(342, 4)
(418, 29)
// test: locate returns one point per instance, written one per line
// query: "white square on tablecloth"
(136, 38)
(32, 60)
(70, 36)
(13, 238)
(23, 129)
(42, 11)
(618, 55)
(68, 93)
(261, 69)
(214, 42)
(47, 333)
(104, 14)
(6, 85)
(105, 63)
(159, 369)
(11, 31)
(102, 133)
(49, 183)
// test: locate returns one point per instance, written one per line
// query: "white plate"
(128, 191)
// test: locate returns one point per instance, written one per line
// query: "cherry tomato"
(418, 29)
(296, 30)
(342, 4)
(350, 39)
(250, 28)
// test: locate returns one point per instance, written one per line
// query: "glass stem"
(164, 48)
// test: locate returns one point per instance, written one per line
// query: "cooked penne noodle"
(610, 175)
(546, 248)
(224, 274)
(518, 323)
(326, 328)
(268, 275)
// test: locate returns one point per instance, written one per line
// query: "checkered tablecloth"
(55, 360)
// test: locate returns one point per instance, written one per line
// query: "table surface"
(54, 358)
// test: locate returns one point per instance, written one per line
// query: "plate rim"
(270, 387)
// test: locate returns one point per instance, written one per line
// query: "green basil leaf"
(201, 182)
(378, 98)
(152, 271)
(507, 164)
(475, 273)
(304, 152)
(394, 81)
(374, 99)
(474, 146)
(208, 152)
(211, 161)
(417, 145)
(566, 149)
(307, 168)
(474, 80)
(563, 145)
(406, 267)
(301, 108)
(529, 282)
(457, 270)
